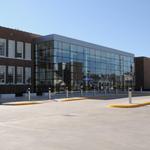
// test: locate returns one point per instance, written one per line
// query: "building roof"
(15, 34)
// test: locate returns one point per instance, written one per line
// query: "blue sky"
(120, 24)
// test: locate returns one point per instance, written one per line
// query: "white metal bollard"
(67, 92)
(130, 95)
(29, 94)
(141, 90)
(49, 94)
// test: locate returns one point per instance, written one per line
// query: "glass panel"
(11, 75)
(19, 53)
(28, 51)
(2, 74)
(28, 75)
(19, 75)
(66, 46)
(11, 49)
(2, 47)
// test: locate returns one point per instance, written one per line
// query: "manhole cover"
(70, 115)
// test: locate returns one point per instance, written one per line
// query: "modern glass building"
(65, 62)
(39, 62)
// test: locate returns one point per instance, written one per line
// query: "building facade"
(16, 61)
(65, 62)
(40, 62)
(142, 73)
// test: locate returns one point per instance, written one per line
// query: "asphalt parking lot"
(76, 125)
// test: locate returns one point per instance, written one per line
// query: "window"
(2, 74)
(2, 47)
(73, 48)
(19, 53)
(28, 75)
(28, 51)
(11, 49)
(57, 44)
(65, 46)
(20, 75)
(11, 75)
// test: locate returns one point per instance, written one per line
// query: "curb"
(72, 99)
(21, 103)
(128, 105)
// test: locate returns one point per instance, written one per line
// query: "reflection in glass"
(60, 65)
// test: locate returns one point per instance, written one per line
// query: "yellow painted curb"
(21, 103)
(128, 105)
(72, 99)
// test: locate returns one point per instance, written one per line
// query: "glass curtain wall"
(44, 66)
(60, 65)
(91, 68)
